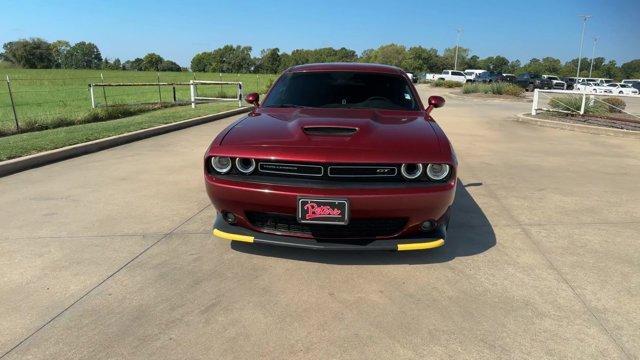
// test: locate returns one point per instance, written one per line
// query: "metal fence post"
(13, 105)
(104, 91)
(93, 98)
(192, 87)
(534, 106)
(159, 90)
(584, 99)
(239, 94)
(175, 99)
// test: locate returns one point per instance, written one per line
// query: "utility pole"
(584, 25)
(593, 55)
(455, 62)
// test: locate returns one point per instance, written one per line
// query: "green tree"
(58, 49)
(269, 61)
(133, 65)
(227, 59)
(34, 53)
(447, 60)
(631, 69)
(610, 70)
(82, 55)
(514, 67)
(420, 59)
(168, 65)
(473, 62)
(152, 62)
(202, 62)
(389, 54)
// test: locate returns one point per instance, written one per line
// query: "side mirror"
(435, 102)
(253, 99)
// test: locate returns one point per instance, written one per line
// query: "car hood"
(347, 135)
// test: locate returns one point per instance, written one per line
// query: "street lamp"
(455, 62)
(584, 25)
(593, 55)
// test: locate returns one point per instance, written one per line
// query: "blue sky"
(179, 29)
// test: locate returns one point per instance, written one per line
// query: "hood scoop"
(329, 130)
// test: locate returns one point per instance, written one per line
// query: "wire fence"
(33, 96)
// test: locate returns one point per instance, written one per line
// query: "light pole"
(584, 25)
(593, 55)
(455, 62)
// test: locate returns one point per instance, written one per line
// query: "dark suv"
(487, 77)
(530, 81)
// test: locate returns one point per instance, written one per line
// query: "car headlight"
(438, 171)
(221, 164)
(245, 165)
(411, 171)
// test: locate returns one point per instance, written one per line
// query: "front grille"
(336, 172)
(356, 229)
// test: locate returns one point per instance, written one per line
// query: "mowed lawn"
(34, 142)
(45, 95)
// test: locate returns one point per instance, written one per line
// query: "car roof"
(359, 67)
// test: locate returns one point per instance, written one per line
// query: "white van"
(472, 73)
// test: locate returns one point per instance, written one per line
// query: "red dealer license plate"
(323, 211)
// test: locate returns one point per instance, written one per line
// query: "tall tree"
(631, 69)
(152, 62)
(34, 53)
(448, 58)
(58, 49)
(419, 59)
(269, 61)
(82, 55)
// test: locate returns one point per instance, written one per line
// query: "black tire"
(529, 88)
(620, 93)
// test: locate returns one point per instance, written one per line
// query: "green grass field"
(44, 96)
(33, 142)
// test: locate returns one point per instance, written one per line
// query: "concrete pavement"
(110, 256)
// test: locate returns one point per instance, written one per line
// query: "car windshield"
(552, 78)
(342, 89)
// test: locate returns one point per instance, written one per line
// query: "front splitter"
(226, 231)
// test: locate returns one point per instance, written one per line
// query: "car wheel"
(530, 87)
(620, 93)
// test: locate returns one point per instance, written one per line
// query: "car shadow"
(469, 233)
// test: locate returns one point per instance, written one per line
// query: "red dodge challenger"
(337, 157)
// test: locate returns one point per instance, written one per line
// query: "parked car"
(556, 83)
(472, 73)
(339, 156)
(619, 88)
(570, 81)
(633, 82)
(531, 81)
(487, 77)
(510, 78)
(587, 86)
(451, 75)
(603, 81)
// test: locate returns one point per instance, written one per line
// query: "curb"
(589, 129)
(13, 166)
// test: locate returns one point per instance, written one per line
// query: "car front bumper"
(226, 231)
(415, 203)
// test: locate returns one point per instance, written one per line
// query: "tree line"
(38, 53)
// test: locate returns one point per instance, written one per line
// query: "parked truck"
(451, 75)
